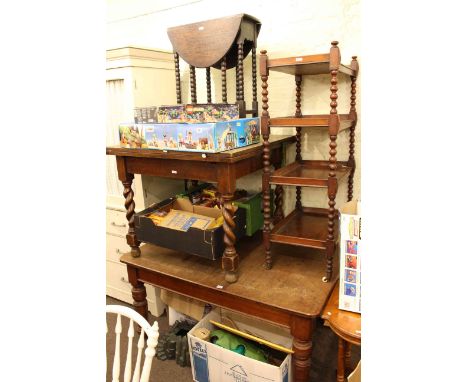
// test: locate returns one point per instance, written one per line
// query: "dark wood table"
(222, 168)
(291, 294)
(347, 326)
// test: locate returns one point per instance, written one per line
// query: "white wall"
(289, 27)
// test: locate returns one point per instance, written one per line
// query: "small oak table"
(222, 168)
(347, 326)
(291, 294)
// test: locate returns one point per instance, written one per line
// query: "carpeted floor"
(325, 347)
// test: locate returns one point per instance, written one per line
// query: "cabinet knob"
(123, 279)
(118, 225)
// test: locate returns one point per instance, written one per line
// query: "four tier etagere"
(307, 226)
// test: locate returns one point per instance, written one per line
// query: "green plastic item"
(237, 344)
(254, 214)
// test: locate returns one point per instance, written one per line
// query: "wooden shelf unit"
(305, 226)
(308, 173)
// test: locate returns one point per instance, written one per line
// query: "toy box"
(218, 136)
(161, 136)
(350, 257)
(171, 114)
(213, 363)
(198, 113)
(131, 136)
(146, 114)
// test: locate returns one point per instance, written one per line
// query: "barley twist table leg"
(230, 259)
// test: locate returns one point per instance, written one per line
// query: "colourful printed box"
(162, 136)
(199, 113)
(131, 136)
(350, 257)
(219, 136)
(145, 114)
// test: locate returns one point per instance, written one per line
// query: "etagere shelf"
(306, 226)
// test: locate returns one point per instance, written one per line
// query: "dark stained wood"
(254, 110)
(297, 289)
(301, 228)
(307, 65)
(225, 156)
(345, 324)
(340, 373)
(126, 177)
(298, 114)
(352, 111)
(240, 80)
(306, 228)
(208, 85)
(138, 292)
(223, 170)
(230, 260)
(223, 79)
(204, 44)
(332, 180)
(319, 120)
(265, 130)
(302, 331)
(177, 76)
(193, 85)
(295, 299)
(279, 214)
(311, 173)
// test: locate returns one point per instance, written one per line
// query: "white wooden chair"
(151, 331)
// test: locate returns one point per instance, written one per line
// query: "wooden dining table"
(291, 294)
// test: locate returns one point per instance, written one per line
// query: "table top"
(294, 284)
(224, 156)
(344, 323)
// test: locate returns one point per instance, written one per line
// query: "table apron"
(217, 298)
(172, 168)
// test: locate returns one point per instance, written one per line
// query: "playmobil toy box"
(198, 113)
(161, 136)
(217, 356)
(131, 136)
(350, 257)
(218, 136)
(146, 114)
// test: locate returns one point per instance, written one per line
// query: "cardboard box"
(162, 136)
(350, 257)
(218, 136)
(207, 243)
(184, 220)
(212, 363)
(146, 114)
(198, 113)
(131, 136)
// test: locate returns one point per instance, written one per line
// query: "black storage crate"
(204, 243)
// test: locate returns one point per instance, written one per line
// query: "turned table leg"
(127, 179)
(302, 330)
(230, 257)
(347, 354)
(138, 292)
(340, 374)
